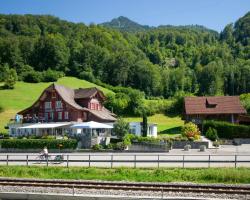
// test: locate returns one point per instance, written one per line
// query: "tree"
(10, 78)
(227, 34)
(51, 52)
(121, 128)
(211, 79)
(144, 125)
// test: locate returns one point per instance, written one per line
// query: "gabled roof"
(214, 105)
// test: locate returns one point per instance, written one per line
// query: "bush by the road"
(212, 134)
(38, 143)
(228, 130)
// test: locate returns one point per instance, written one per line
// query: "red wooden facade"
(60, 104)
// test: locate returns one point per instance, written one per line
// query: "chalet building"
(58, 103)
(224, 108)
(60, 110)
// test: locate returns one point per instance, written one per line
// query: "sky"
(213, 14)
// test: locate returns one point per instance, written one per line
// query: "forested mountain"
(161, 61)
(124, 24)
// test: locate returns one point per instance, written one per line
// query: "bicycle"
(58, 159)
(42, 158)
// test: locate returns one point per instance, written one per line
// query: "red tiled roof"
(214, 105)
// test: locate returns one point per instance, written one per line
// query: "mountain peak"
(125, 24)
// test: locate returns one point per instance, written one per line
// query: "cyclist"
(45, 152)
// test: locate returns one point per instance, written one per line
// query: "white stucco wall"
(152, 129)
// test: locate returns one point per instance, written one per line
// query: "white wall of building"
(136, 128)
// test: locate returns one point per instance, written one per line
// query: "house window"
(47, 105)
(59, 115)
(46, 116)
(58, 104)
(66, 115)
(92, 106)
(51, 115)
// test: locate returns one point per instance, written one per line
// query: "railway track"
(168, 187)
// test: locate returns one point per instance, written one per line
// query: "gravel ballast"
(119, 193)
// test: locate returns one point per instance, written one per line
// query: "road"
(224, 153)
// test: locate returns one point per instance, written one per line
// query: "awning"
(91, 125)
(45, 125)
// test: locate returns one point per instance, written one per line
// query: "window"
(92, 106)
(47, 105)
(66, 115)
(58, 104)
(59, 115)
(46, 116)
(51, 115)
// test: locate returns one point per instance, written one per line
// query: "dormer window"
(210, 104)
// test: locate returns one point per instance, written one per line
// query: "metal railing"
(132, 159)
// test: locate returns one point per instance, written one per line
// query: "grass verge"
(199, 175)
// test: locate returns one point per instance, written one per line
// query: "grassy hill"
(24, 94)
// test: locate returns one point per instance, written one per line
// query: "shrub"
(51, 75)
(109, 146)
(212, 134)
(10, 78)
(49, 137)
(228, 130)
(127, 139)
(4, 135)
(97, 147)
(120, 146)
(121, 128)
(37, 143)
(32, 77)
(245, 100)
(191, 131)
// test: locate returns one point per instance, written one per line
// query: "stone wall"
(194, 145)
(148, 147)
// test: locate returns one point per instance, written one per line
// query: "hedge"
(38, 143)
(227, 130)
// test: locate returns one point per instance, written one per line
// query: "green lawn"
(196, 175)
(24, 94)
(164, 122)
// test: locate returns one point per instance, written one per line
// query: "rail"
(127, 186)
(133, 159)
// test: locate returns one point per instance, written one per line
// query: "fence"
(135, 160)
